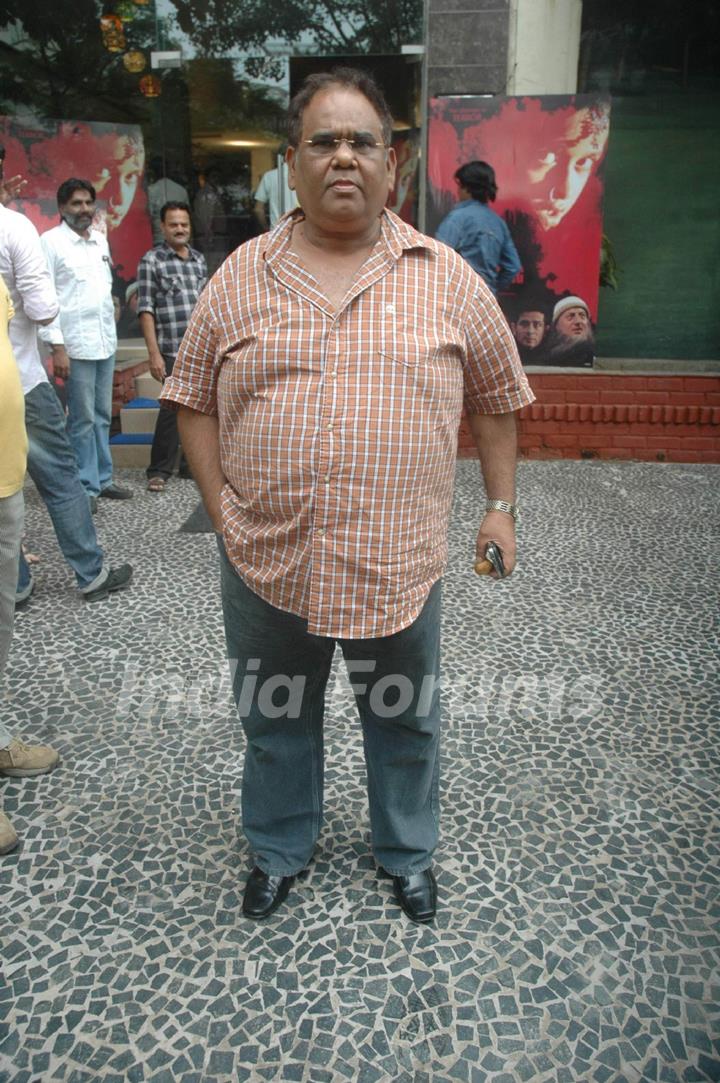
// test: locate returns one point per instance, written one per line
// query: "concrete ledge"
(649, 366)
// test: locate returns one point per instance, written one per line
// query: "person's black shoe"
(264, 893)
(417, 895)
(117, 579)
(115, 492)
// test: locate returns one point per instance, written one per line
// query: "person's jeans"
(165, 440)
(51, 465)
(11, 528)
(396, 683)
(89, 390)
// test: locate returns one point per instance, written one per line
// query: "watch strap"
(502, 505)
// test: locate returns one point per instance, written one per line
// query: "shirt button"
(320, 533)
(327, 479)
(334, 373)
(330, 426)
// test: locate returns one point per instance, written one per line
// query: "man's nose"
(561, 183)
(344, 152)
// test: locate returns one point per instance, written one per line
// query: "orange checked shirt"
(338, 428)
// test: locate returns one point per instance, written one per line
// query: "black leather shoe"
(116, 579)
(116, 492)
(264, 893)
(417, 895)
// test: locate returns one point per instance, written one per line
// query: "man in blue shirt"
(477, 233)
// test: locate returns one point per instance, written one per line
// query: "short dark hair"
(2, 153)
(353, 79)
(529, 301)
(479, 179)
(69, 187)
(173, 205)
(530, 306)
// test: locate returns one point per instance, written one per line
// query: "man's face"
(339, 189)
(560, 169)
(79, 210)
(574, 323)
(176, 228)
(529, 329)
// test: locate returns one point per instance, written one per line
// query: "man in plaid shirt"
(320, 386)
(170, 278)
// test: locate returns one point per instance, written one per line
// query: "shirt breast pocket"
(426, 361)
(410, 346)
(169, 284)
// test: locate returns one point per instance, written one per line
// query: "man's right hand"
(61, 362)
(157, 366)
(11, 189)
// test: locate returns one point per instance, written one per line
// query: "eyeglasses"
(322, 146)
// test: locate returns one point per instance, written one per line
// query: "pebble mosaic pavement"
(578, 934)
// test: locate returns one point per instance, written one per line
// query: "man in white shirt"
(274, 196)
(84, 338)
(50, 462)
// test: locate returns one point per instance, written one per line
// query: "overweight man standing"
(320, 386)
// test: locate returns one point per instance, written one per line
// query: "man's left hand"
(499, 527)
(11, 189)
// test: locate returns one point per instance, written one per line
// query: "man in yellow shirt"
(16, 759)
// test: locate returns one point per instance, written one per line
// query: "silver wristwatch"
(502, 505)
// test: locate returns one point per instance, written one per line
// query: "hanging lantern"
(150, 86)
(134, 61)
(126, 10)
(141, 3)
(115, 42)
(108, 23)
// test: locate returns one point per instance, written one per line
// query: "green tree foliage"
(328, 26)
(53, 62)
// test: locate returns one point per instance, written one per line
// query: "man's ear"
(290, 162)
(391, 166)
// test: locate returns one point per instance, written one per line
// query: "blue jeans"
(89, 390)
(51, 464)
(282, 787)
(11, 528)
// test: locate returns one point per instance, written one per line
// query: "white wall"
(544, 46)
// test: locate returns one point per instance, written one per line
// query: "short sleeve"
(144, 283)
(495, 382)
(262, 194)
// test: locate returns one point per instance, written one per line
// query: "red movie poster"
(110, 156)
(547, 153)
(403, 198)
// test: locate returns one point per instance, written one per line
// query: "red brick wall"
(616, 416)
(593, 415)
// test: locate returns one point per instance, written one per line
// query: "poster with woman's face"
(547, 153)
(110, 156)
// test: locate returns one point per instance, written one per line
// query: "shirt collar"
(396, 235)
(167, 250)
(75, 237)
